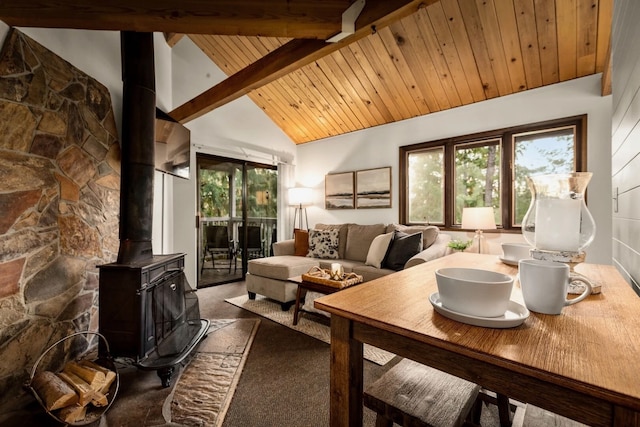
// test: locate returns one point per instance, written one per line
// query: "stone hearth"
(59, 205)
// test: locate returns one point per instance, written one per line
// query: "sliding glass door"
(237, 216)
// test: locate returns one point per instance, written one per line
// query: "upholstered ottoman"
(269, 277)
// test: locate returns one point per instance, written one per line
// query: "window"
(440, 178)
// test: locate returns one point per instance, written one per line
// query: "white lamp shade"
(300, 196)
(478, 218)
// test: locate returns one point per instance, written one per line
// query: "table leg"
(296, 309)
(346, 375)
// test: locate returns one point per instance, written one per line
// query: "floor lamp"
(479, 219)
(300, 197)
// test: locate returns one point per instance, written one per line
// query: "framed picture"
(338, 191)
(373, 188)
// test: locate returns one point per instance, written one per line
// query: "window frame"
(506, 138)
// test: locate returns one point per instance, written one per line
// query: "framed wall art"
(373, 188)
(339, 191)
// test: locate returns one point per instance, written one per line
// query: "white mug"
(545, 284)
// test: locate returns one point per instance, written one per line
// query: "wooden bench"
(411, 394)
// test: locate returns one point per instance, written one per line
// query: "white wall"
(378, 147)
(625, 134)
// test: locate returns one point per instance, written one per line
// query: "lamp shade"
(478, 218)
(300, 196)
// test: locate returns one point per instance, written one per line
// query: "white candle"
(335, 268)
(558, 224)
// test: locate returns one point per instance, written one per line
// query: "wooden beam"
(292, 56)
(606, 75)
(172, 38)
(275, 18)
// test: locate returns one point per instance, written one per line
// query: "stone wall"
(59, 205)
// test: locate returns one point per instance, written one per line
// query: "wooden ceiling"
(407, 58)
(448, 54)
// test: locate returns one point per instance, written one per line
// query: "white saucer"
(515, 315)
(508, 261)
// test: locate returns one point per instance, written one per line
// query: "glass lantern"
(558, 219)
(558, 223)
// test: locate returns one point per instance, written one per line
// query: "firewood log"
(108, 373)
(99, 399)
(85, 393)
(73, 413)
(53, 391)
(91, 376)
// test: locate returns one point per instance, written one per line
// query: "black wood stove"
(148, 311)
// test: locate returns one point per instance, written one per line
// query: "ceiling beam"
(292, 56)
(606, 88)
(172, 38)
(274, 18)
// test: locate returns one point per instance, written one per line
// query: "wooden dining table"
(583, 364)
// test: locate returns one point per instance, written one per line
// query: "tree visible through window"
(426, 186)
(440, 178)
(477, 177)
(536, 153)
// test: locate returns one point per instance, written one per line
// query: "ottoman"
(269, 277)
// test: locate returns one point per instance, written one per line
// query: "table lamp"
(479, 219)
(300, 197)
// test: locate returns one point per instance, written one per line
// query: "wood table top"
(593, 346)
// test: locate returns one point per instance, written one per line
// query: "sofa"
(371, 251)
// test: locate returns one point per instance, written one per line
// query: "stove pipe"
(138, 147)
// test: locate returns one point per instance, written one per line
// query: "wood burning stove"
(149, 313)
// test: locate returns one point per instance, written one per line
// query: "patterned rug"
(205, 387)
(272, 311)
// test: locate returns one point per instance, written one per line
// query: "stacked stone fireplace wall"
(59, 206)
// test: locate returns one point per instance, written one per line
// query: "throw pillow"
(342, 236)
(301, 242)
(402, 248)
(323, 244)
(359, 238)
(429, 232)
(378, 250)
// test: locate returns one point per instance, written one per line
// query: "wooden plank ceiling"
(447, 54)
(407, 58)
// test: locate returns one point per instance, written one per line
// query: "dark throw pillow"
(402, 248)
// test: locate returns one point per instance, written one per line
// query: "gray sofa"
(268, 276)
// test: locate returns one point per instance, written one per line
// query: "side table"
(304, 286)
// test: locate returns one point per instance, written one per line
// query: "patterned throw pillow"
(323, 244)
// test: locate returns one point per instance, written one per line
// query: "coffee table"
(304, 286)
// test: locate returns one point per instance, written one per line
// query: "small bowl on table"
(474, 292)
(514, 252)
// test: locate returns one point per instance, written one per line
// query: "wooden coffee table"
(304, 286)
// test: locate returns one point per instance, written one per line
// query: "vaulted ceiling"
(405, 58)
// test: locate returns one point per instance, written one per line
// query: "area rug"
(272, 311)
(206, 385)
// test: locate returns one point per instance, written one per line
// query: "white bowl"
(475, 292)
(516, 251)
